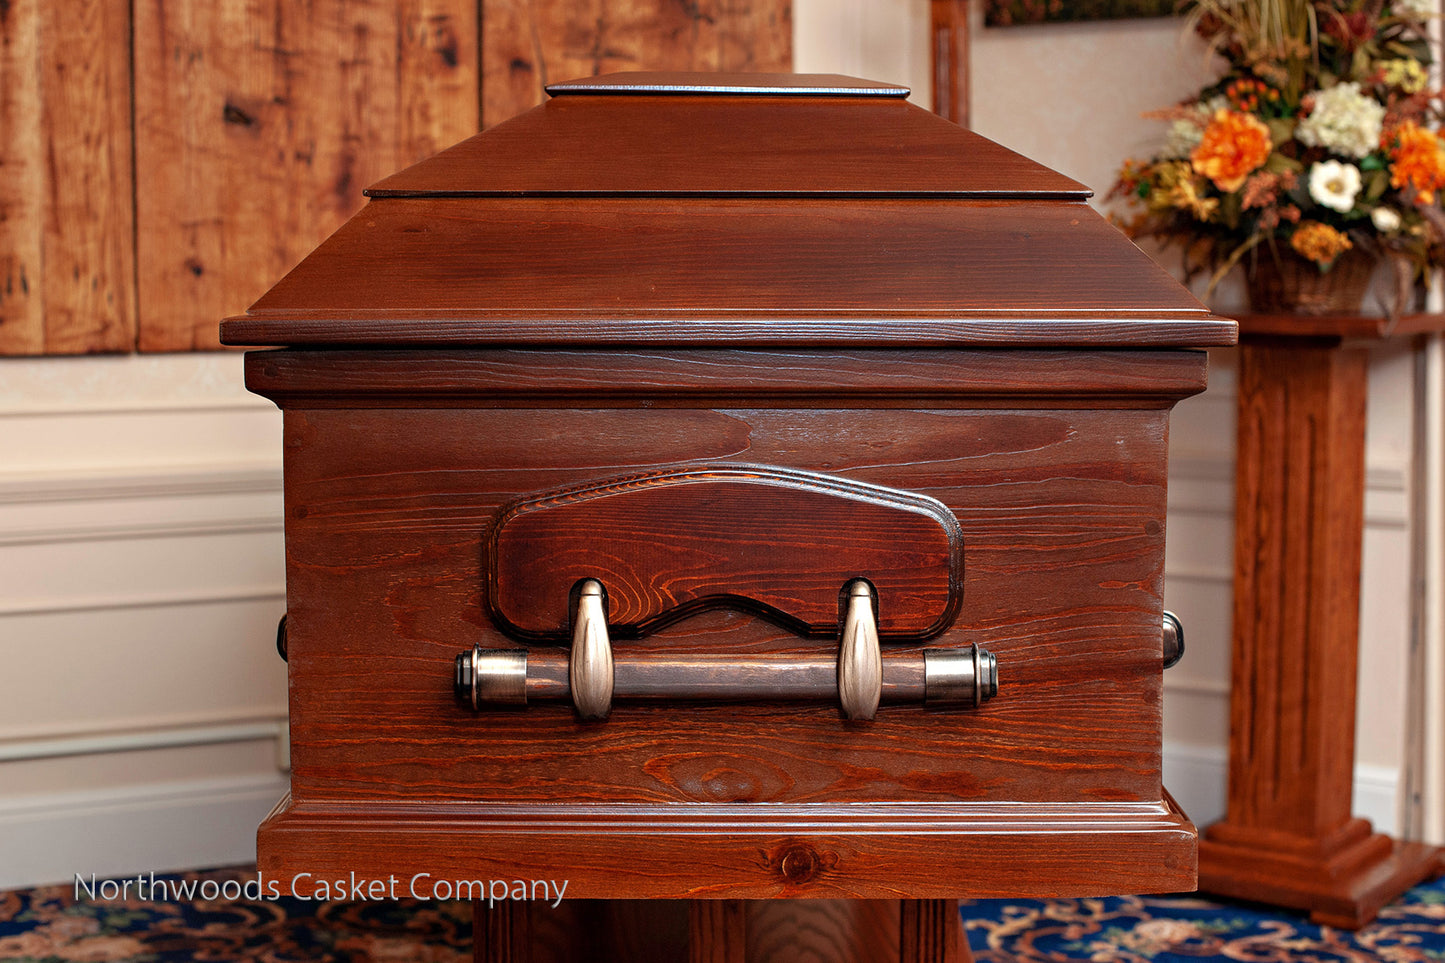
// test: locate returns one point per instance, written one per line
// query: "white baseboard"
(119, 832)
(1377, 797)
(1197, 777)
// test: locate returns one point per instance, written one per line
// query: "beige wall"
(141, 555)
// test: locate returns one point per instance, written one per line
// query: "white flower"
(1335, 185)
(1385, 219)
(1186, 132)
(1343, 120)
(1182, 138)
(1414, 9)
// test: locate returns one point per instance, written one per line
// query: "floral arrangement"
(1317, 139)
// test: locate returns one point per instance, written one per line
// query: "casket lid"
(712, 209)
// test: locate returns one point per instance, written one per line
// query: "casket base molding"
(747, 851)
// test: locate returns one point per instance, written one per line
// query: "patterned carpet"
(1143, 929)
(49, 925)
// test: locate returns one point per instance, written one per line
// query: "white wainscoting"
(142, 711)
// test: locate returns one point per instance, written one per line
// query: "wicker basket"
(1285, 283)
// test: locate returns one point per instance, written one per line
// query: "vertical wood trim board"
(67, 260)
(259, 124)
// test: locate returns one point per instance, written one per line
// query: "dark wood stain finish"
(477, 358)
(664, 546)
(389, 510)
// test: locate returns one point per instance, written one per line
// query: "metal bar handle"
(591, 676)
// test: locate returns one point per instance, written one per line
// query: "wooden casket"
(729, 487)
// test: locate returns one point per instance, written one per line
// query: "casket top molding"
(728, 210)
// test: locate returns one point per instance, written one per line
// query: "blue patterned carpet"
(1144, 929)
(49, 925)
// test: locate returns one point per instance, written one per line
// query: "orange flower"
(1234, 146)
(1319, 242)
(1417, 160)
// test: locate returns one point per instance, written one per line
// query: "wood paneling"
(66, 252)
(254, 129)
(388, 512)
(530, 43)
(259, 124)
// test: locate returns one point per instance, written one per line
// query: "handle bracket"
(861, 676)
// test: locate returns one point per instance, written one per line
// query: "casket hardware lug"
(860, 662)
(591, 671)
(1173, 640)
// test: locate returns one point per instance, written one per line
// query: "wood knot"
(799, 864)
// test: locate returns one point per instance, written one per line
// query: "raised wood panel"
(530, 43)
(662, 545)
(385, 569)
(66, 227)
(259, 124)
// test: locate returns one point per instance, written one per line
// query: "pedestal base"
(722, 931)
(1341, 882)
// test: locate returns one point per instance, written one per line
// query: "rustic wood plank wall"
(255, 124)
(257, 127)
(528, 44)
(67, 272)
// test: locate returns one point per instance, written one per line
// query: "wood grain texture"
(380, 555)
(665, 545)
(596, 931)
(257, 126)
(1061, 506)
(500, 933)
(66, 238)
(717, 931)
(708, 378)
(798, 852)
(930, 931)
(530, 43)
(948, 25)
(652, 143)
(817, 930)
(1288, 836)
(715, 272)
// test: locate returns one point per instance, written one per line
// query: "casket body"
(727, 349)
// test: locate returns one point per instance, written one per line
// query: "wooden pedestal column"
(722, 931)
(1288, 837)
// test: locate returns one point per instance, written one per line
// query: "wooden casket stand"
(729, 488)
